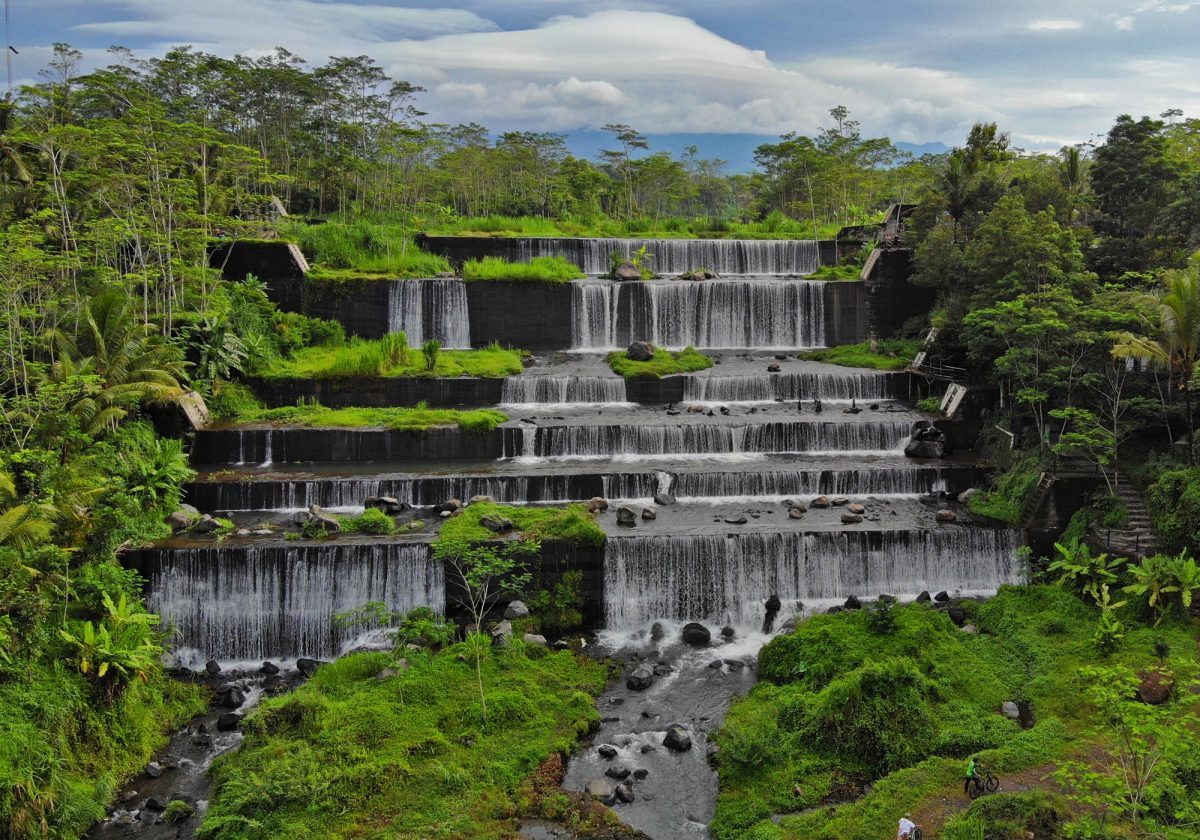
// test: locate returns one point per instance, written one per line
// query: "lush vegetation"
(663, 363)
(890, 354)
(573, 523)
(775, 225)
(314, 415)
(362, 250)
(539, 269)
(392, 356)
(899, 697)
(408, 756)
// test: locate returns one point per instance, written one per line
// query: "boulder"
(736, 519)
(965, 496)
(229, 722)
(851, 518)
(727, 632)
(695, 634)
(597, 505)
(154, 769)
(501, 633)
(839, 501)
(205, 525)
(536, 640)
(626, 272)
(387, 504)
(307, 667)
(448, 506)
(945, 516)
(852, 603)
(924, 598)
(925, 449)
(480, 499)
(607, 751)
(792, 504)
(1154, 688)
(958, 615)
(1010, 710)
(649, 514)
(496, 524)
(627, 516)
(969, 629)
(640, 351)
(212, 667)
(601, 790)
(796, 513)
(231, 697)
(618, 771)
(516, 609)
(327, 521)
(656, 631)
(773, 368)
(819, 502)
(663, 499)
(856, 508)
(696, 275)
(155, 804)
(942, 597)
(180, 520)
(677, 739)
(625, 792)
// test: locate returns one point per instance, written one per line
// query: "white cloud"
(1123, 22)
(1054, 25)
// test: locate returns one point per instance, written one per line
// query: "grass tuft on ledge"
(538, 269)
(422, 417)
(890, 354)
(663, 364)
(392, 357)
(572, 524)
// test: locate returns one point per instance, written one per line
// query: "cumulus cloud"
(1053, 25)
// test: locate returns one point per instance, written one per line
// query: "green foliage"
(409, 757)
(573, 524)
(558, 610)
(430, 350)
(1011, 492)
(539, 269)
(1174, 501)
(774, 226)
(890, 354)
(1083, 572)
(374, 521)
(386, 250)
(313, 415)
(930, 404)
(1166, 584)
(178, 811)
(664, 363)
(391, 356)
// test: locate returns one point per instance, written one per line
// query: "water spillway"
(731, 313)
(430, 309)
(769, 387)
(562, 390)
(262, 602)
(726, 578)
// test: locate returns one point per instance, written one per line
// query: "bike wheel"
(992, 784)
(975, 790)
(915, 834)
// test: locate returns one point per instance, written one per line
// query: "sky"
(921, 71)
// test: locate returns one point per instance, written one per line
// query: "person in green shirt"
(970, 775)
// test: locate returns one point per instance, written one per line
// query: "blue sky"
(1049, 72)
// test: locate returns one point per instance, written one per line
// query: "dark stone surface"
(890, 297)
(530, 315)
(220, 446)
(378, 392)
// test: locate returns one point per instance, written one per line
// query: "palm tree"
(22, 525)
(1176, 342)
(130, 363)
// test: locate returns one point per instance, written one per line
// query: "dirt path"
(936, 812)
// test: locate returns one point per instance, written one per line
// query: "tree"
(619, 161)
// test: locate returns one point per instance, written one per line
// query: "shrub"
(374, 521)
(1174, 499)
(664, 363)
(542, 269)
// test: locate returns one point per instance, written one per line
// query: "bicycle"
(982, 782)
(915, 834)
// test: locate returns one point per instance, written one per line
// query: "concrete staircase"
(1139, 538)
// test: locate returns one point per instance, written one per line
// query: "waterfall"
(779, 484)
(558, 390)
(290, 494)
(703, 439)
(430, 309)
(698, 578)
(714, 313)
(254, 603)
(676, 256)
(768, 387)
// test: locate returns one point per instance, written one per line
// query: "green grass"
(1006, 500)
(775, 226)
(836, 272)
(664, 363)
(415, 419)
(409, 757)
(392, 357)
(362, 250)
(891, 354)
(1034, 642)
(572, 523)
(539, 269)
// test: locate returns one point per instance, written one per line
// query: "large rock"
(387, 504)
(205, 525)
(855, 507)
(502, 632)
(1010, 710)
(597, 505)
(851, 518)
(1154, 688)
(736, 519)
(308, 667)
(618, 771)
(640, 351)
(925, 449)
(819, 502)
(965, 496)
(479, 499)
(448, 506)
(496, 524)
(677, 739)
(663, 499)
(627, 272)
(229, 722)
(627, 516)
(536, 639)
(516, 609)
(641, 678)
(649, 514)
(945, 516)
(625, 792)
(180, 520)
(695, 634)
(327, 521)
(600, 789)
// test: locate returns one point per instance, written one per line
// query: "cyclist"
(906, 829)
(971, 775)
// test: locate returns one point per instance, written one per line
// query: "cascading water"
(255, 603)
(778, 484)
(728, 577)
(560, 390)
(675, 256)
(833, 387)
(430, 309)
(699, 440)
(735, 313)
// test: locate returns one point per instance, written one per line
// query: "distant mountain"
(736, 149)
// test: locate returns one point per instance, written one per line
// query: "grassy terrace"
(539, 269)
(890, 354)
(362, 251)
(572, 523)
(775, 226)
(415, 419)
(411, 756)
(663, 364)
(392, 357)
